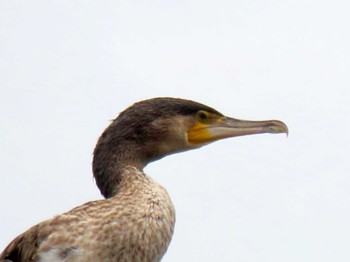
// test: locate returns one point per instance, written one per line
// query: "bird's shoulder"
(24, 246)
(42, 236)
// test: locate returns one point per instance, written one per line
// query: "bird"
(135, 219)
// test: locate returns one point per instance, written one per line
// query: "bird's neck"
(110, 164)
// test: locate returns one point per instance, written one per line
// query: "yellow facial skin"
(211, 127)
(200, 133)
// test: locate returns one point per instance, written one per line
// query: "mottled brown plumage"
(136, 220)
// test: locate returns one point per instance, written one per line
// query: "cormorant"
(135, 221)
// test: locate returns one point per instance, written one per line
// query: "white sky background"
(68, 67)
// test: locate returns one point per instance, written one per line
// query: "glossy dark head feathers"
(163, 107)
(166, 107)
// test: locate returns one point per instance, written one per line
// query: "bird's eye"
(202, 116)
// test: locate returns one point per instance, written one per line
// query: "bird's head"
(154, 128)
(163, 126)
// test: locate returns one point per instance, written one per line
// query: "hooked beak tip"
(279, 127)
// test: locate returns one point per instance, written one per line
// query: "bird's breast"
(136, 224)
(142, 227)
(154, 221)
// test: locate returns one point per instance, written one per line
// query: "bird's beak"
(226, 127)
